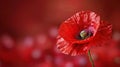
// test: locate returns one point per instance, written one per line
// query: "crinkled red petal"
(103, 34)
(68, 30)
(69, 48)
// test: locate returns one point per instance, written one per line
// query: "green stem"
(90, 58)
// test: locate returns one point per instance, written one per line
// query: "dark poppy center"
(84, 34)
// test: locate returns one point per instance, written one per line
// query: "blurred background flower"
(28, 30)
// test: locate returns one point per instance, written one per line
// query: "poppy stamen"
(85, 34)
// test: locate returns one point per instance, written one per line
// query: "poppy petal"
(103, 34)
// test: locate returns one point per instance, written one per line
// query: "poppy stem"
(90, 58)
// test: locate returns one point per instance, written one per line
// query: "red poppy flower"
(81, 32)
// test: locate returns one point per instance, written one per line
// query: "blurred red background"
(28, 30)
